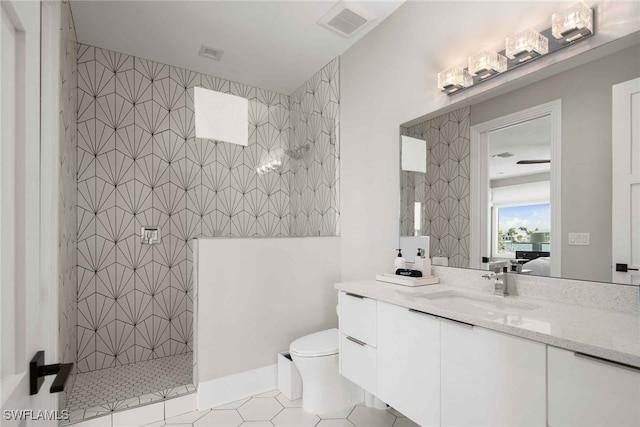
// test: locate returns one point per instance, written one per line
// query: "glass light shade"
(453, 79)
(486, 64)
(573, 23)
(526, 45)
(271, 161)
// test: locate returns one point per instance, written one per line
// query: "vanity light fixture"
(486, 64)
(453, 79)
(573, 23)
(526, 45)
(568, 26)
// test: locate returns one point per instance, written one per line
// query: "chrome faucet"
(500, 275)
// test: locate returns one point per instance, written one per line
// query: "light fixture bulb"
(526, 45)
(486, 64)
(453, 79)
(572, 23)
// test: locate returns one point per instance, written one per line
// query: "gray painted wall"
(586, 152)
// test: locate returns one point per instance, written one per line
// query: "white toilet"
(324, 390)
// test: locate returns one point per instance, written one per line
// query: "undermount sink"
(484, 305)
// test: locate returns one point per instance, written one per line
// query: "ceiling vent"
(346, 18)
(210, 53)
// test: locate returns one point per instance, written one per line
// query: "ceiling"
(529, 140)
(274, 45)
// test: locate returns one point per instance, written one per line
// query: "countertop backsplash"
(608, 296)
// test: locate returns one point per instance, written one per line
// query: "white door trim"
(479, 169)
(50, 165)
(32, 326)
(624, 174)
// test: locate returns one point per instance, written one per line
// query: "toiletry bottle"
(400, 262)
(417, 264)
(426, 265)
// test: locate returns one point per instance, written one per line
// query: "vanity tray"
(407, 281)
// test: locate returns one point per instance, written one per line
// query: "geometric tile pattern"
(139, 163)
(67, 196)
(274, 409)
(443, 190)
(101, 392)
(315, 122)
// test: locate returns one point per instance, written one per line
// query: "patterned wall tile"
(314, 124)
(140, 164)
(443, 190)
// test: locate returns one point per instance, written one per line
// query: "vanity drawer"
(358, 318)
(358, 362)
(586, 391)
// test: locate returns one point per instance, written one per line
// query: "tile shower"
(139, 164)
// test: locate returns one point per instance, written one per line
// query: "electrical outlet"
(579, 239)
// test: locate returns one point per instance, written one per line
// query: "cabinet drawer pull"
(354, 295)
(607, 361)
(463, 324)
(356, 341)
(413, 310)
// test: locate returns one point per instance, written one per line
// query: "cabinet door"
(491, 379)
(409, 363)
(588, 392)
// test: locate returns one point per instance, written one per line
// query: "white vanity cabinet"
(358, 336)
(584, 391)
(490, 379)
(409, 362)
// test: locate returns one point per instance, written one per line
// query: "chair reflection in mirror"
(536, 263)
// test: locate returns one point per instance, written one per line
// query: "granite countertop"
(596, 332)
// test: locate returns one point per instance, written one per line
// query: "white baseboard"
(238, 386)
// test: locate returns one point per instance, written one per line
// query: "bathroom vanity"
(450, 356)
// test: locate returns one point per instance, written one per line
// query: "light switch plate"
(579, 239)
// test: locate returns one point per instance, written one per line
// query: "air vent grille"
(347, 22)
(346, 18)
(210, 53)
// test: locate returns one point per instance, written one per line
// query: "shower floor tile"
(107, 390)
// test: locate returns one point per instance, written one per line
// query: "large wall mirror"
(526, 179)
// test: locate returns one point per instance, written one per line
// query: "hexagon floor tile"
(260, 409)
(295, 417)
(224, 418)
(371, 417)
(273, 409)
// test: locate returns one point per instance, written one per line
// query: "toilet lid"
(323, 343)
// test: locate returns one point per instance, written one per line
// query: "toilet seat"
(323, 343)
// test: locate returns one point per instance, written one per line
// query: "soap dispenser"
(400, 261)
(423, 264)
